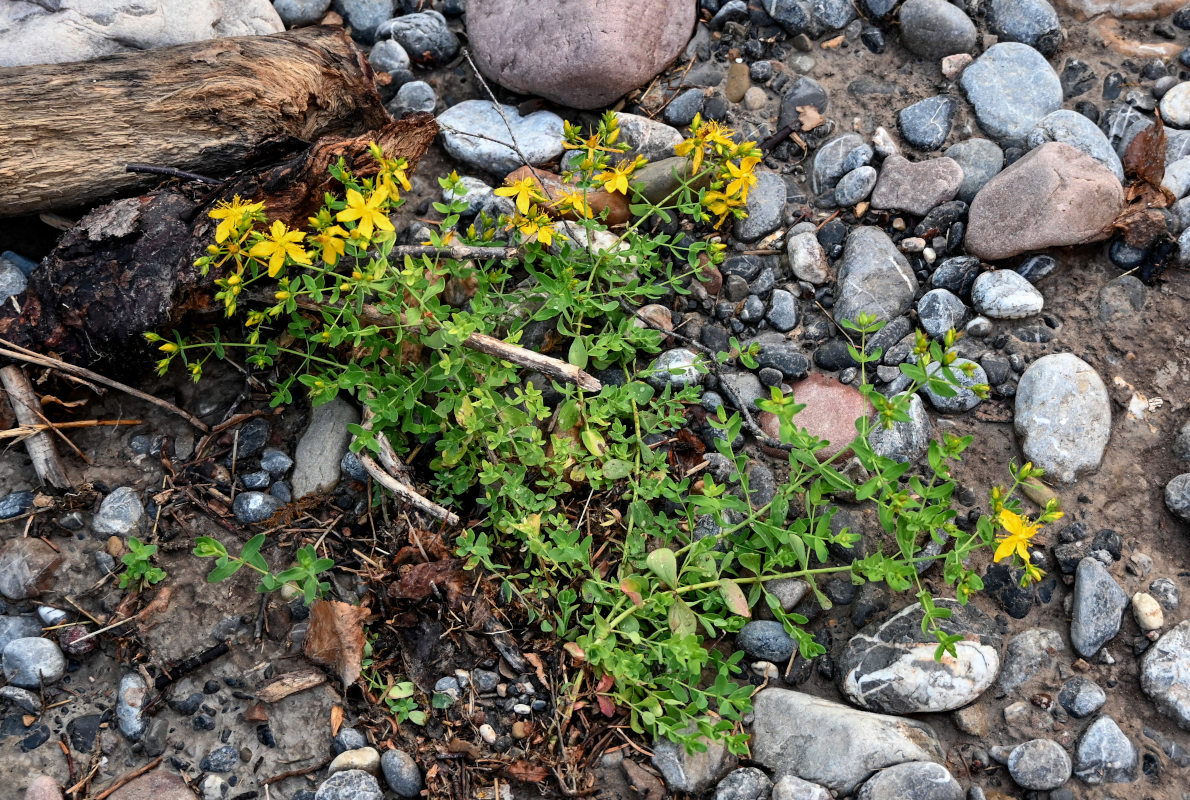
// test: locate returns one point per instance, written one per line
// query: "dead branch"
(40, 445)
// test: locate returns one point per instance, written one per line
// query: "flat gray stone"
(1098, 609)
(874, 277)
(121, 513)
(965, 397)
(913, 780)
(33, 662)
(691, 772)
(793, 788)
(321, 448)
(905, 441)
(1063, 416)
(130, 701)
(1039, 765)
(831, 744)
(939, 311)
(933, 29)
(765, 208)
(1005, 294)
(916, 187)
(1175, 106)
(1011, 87)
(980, 159)
(1028, 654)
(539, 136)
(353, 784)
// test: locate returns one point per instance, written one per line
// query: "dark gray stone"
(349, 739)
(964, 399)
(424, 36)
(934, 29)
(904, 441)
(13, 627)
(957, 275)
(15, 504)
(1029, 654)
(782, 311)
(939, 311)
(873, 277)
(1177, 496)
(981, 160)
(296, 13)
(855, 186)
(1164, 676)
(1081, 697)
(275, 462)
(804, 91)
(765, 208)
(412, 97)
(792, 15)
(830, 160)
(1098, 607)
(1031, 22)
(683, 108)
(252, 507)
(926, 123)
(120, 513)
(364, 16)
(766, 640)
(401, 773)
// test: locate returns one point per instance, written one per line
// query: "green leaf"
(252, 547)
(616, 468)
(224, 570)
(664, 565)
(682, 620)
(733, 596)
(578, 353)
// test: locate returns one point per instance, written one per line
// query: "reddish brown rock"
(554, 187)
(159, 784)
(43, 787)
(1054, 196)
(831, 411)
(916, 187)
(580, 53)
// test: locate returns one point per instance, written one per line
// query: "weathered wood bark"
(68, 130)
(128, 267)
(27, 408)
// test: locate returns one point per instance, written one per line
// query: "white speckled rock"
(890, 666)
(1005, 294)
(1165, 674)
(538, 135)
(1175, 106)
(1063, 416)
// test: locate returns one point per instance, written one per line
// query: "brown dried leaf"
(256, 713)
(420, 580)
(809, 117)
(525, 772)
(336, 719)
(283, 686)
(1142, 224)
(336, 637)
(1144, 160)
(538, 666)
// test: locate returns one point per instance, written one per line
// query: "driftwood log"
(128, 267)
(68, 130)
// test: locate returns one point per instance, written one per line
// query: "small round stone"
(1005, 294)
(677, 368)
(221, 759)
(32, 662)
(401, 772)
(352, 784)
(1147, 612)
(766, 640)
(1040, 765)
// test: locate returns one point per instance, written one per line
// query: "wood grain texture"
(68, 130)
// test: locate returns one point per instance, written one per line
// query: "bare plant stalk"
(40, 445)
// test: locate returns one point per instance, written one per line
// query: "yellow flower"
(332, 243)
(232, 215)
(572, 201)
(691, 145)
(168, 347)
(742, 177)
(616, 179)
(524, 190)
(535, 224)
(366, 211)
(1019, 533)
(279, 243)
(721, 205)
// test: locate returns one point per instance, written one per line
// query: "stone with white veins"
(890, 667)
(1039, 765)
(1005, 294)
(537, 135)
(1011, 86)
(1081, 697)
(1165, 674)
(1098, 607)
(647, 137)
(832, 744)
(1105, 755)
(939, 311)
(1175, 106)
(765, 208)
(677, 368)
(794, 788)
(874, 277)
(1063, 416)
(130, 701)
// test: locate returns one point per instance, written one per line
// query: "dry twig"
(27, 408)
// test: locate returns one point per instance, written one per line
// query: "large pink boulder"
(579, 53)
(1054, 196)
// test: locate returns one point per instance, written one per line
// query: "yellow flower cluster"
(734, 166)
(1018, 529)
